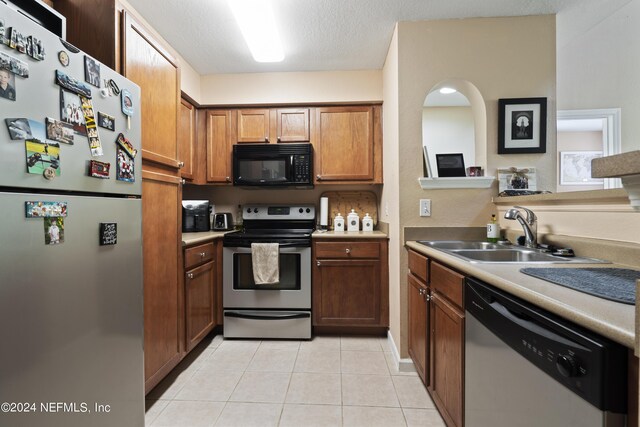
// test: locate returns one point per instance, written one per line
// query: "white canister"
(367, 223)
(338, 223)
(353, 221)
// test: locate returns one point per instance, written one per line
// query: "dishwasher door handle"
(267, 316)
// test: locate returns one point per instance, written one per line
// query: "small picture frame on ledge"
(450, 165)
(522, 125)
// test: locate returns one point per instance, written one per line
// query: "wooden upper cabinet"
(348, 144)
(219, 143)
(253, 125)
(292, 124)
(187, 138)
(156, 71)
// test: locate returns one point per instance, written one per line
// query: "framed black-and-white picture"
(522, 125)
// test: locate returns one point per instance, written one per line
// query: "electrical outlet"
(425, 207)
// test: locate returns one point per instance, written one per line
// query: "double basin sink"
(485, 252)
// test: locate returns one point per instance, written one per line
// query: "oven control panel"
(278, 212)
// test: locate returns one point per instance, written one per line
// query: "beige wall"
(190, 80)
(598, 64)
(449, 130)
(389, 210)
(503, 58)
(303, 87)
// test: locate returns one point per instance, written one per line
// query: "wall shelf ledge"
(456, 182)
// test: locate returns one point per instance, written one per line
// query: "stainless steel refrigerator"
(71, 295)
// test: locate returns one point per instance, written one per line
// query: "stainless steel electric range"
(281, 310)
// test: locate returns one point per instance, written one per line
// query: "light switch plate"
(425, 207)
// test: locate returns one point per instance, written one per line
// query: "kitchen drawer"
(348, 250)
(198, 254)
(418, 266)
(447, 282)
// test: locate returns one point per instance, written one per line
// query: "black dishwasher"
(527, 367)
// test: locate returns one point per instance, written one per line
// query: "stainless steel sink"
(484, 252)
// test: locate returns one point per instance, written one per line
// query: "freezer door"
(71, 317)
(38, 97)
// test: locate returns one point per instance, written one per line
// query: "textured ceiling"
(317, 35)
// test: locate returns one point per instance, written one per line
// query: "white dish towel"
(265, 258)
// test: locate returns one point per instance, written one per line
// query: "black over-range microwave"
(273, 165)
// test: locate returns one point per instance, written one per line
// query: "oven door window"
(265, 170)
(289, 273)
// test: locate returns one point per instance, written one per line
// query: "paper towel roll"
(324, 211)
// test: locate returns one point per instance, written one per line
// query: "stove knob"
(248, 210)
(300, 210)
(308, 210)
(255, 210)
(566, 365)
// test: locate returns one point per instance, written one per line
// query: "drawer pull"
(318, 177)
(190, 275)
(180, 165)
(318, 263)
(348, 251)
(203, 254)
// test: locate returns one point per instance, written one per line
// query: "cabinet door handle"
(318, 177)
(278, 139)
(427, 296)
(348, 251)
(190, 275)
(180, 165)
(318, 263)
(421, 291)
(266, 139)
(228, 179)
(203, 254)
(183, 181)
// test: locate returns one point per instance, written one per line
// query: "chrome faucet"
(530, 224)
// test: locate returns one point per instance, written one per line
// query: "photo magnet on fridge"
(91, 71)
(41, 156)
(63, 57)
(59, 131)
(7, 85)
(92, 129)
(124, 167)
(126, 145)
(40, 209)
(72, 84)
(53, 230)
(71, 111)
(108, 233)
(19, 128)
(106, 121)
(99, 169)
(14, 65)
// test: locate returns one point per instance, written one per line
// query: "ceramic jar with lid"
(353, 221)
(367, 223)
(338, 223)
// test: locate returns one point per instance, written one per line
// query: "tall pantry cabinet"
(113, 33)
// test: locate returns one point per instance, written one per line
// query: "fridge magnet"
(99, 169)
(108, 233)
(21, 42)
(522, 125)
(71, 48)
(517, 179)
(2, 31)
(114, 89)
(59, 131)
(106, 121)
(63, 57)
(71, 112)
(37, 49)
(19, 128)
(37, 130)
(14, 65)
(124, 167)
(7, 85)
(41, 156)
(53, 230)
(72, 84)
(39, 209)
(127, 105)
(91, 71)
(92, 129)
(12, 39)
(126, 145)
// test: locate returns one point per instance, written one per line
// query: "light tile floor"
(328, 381)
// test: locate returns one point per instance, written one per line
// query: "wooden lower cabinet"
(163, 296)
(447, 359)
(200, 291)
(418, 320)
(350, 284)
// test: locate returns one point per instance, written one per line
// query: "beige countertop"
(201, 237)
(613, 320)
(349, 235)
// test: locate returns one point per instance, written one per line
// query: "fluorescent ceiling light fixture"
(258, 26)
(447, 91)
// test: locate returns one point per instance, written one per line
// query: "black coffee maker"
(195, 216)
